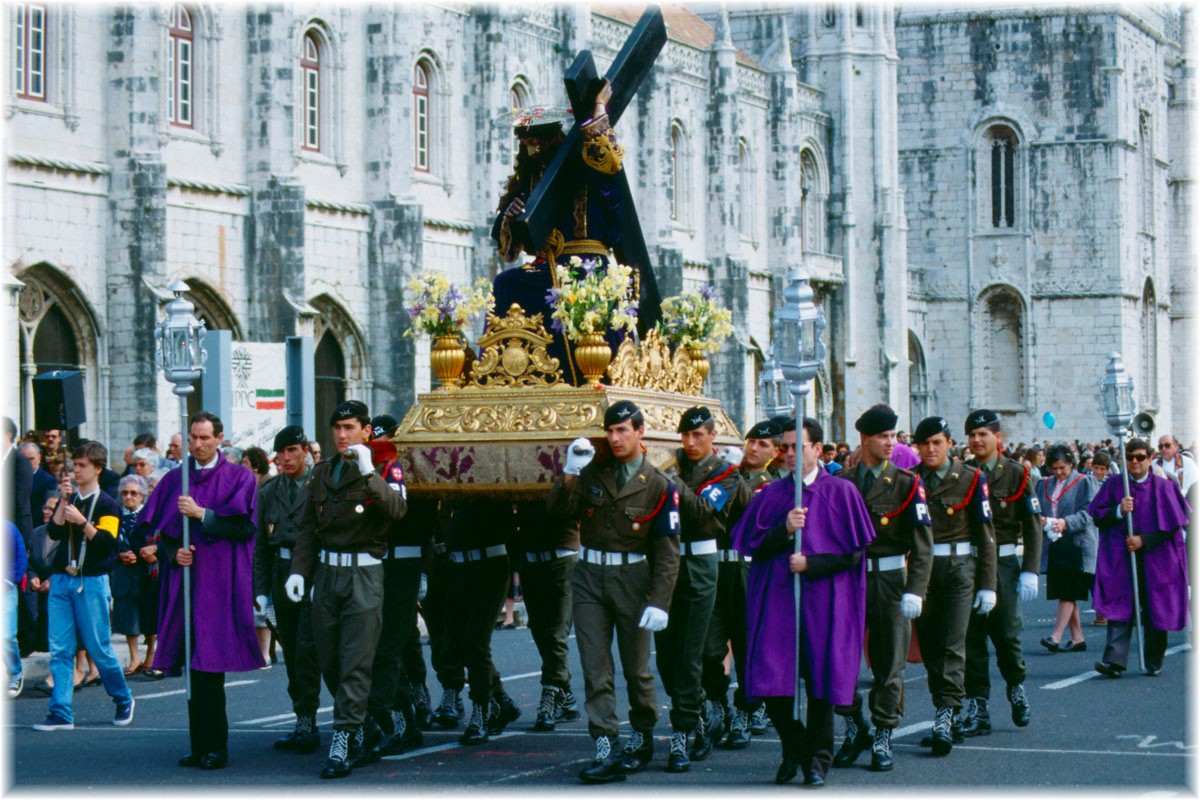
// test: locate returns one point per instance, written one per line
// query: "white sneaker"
(15, 685)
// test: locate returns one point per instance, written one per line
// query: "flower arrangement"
(695, 321)
(592, 300)
(440, 308)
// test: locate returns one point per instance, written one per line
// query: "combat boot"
(568, 709)
(677, 758)
(979, 722)
(477, 728)
(422, 712)
(449, 711)
(374, 736)
(606, 767)
(956, 726)
(338, 765)
(881, 750)
(638, 751)
(942, 740)
(304, 739)
(758, 721)
(702, 741)
(858, 738)
(739, 731)
(547, 709)
(501, 711)
(406, 735)
(1020, 705)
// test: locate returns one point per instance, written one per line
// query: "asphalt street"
(1087, 731)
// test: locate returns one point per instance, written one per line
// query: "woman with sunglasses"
(127, 574)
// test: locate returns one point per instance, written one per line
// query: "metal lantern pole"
(800, 324)
(181, 357)
(1116, 399)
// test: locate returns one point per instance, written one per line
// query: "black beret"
(621, 411)
(350, 409)
(983, 418)
(876, 419)
(785, 422)
(383, 426)
(693, 418)
(292, 434)
(767, 429)
(931, 426)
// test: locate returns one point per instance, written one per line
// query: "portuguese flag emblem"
(268, 399)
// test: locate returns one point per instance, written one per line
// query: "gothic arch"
(212, 308)
(334, 319)
(999, 174)
(332, 90)
(1002, 348)
(814, 192)
(1148, 388)
(918, 381)
(679, 155)
(439, 121)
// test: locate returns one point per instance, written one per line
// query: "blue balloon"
(1049, 420)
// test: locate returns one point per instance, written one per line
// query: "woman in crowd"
(1071, 567)
(127, 576)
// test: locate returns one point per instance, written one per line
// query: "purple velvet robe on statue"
(1157, 506)
(224, 639)
(833, 606)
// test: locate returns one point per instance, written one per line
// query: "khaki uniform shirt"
(961, 512)
(1017, 517)
(897, 505)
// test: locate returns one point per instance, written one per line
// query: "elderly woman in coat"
(1071, 564)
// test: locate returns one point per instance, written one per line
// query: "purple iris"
(708, 292)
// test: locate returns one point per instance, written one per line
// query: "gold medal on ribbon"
(949, 512)
(637, 526)
(358, 509)
(883, 520)
(1003, 504)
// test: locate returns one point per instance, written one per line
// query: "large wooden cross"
(554, 189)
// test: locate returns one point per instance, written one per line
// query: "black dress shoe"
(607, 771)
(213, 761)
(787, 770)
(1052, 645)
(1153, 672)
(1108, 670)
(1074, 647)
(190, 760)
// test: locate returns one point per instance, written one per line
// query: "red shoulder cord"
(1020, 491)
(908, 500)
(717, 479)
(654, 513)
(970, 492)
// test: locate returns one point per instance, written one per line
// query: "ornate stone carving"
(512, 354)
(31, 302)
(652, 366)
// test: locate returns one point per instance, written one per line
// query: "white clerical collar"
(1142, 479)
(211, 464)
(812, 476)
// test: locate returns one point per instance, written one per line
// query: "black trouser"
(445, 645)
(681, 646)
(413, 657)
(294, 623)
(477, 591)
(726, 629)
(809, 745)
(389, 682)
(1003, 626)
(887, 649)
(208, 726)
(547, 587)
(942, 627)
(1119, 636)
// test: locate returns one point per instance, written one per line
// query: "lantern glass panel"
(789, 342)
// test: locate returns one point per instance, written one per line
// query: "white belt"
(953, 549)
(463, 556)
(707, 547)
(731, 555)
(549, 555)
(347, 559)
(403, 551)
(887, 563)
(285, 552)
(607, 559)
(1003, 550)
(439, 548)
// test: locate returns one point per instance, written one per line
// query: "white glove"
(364, 458)
(733, 455)
(653, 619)
(910, 606)
(985, 601)
(1027, 587)
(579, 454)
(294, 586)
(423, 587)
(260, 603)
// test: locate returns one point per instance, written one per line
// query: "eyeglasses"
(130, 491)
(1139, 457)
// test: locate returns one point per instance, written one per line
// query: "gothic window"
(746, 194)
(1002, 349)
(310, 71)
(679, 174)
(1149, 382)
(29, 51)
(829, 16)
(421, 116)
(1002, 174)
(518, 98)
(1146, 157)
(180, 67)
(329, 373)
(811, 198)
(918, 381)
(858, 16)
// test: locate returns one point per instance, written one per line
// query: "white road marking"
(1091, 673)
(288, 716)
(1049, 751)
(441, 748)
(184, 691)
(535, 772)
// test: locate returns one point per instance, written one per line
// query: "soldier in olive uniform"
(550, 551)
(710, 491)
(964, 564)
(478, 582)
(392, 726)
(898, 566)
(339, 552)
(281, 503)
(629, 531)
(1017, 520)
(727, 627)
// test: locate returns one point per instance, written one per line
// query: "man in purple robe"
(835, 530)
(220, 502)
(1160, 513)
